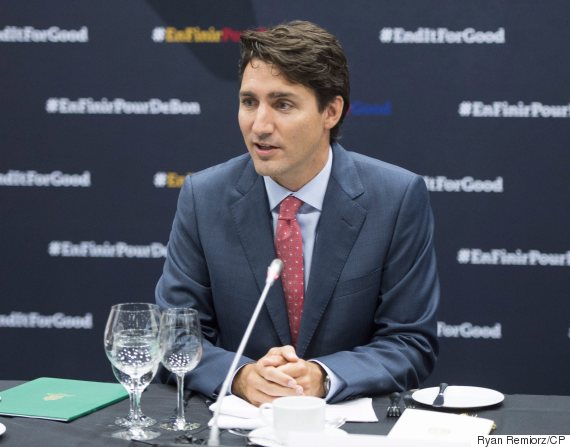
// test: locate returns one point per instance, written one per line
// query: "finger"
(274, 383)
(275, 375)
(294, 369)
(288, 352)
(270, 390)
(264, 395)
(273, 390)
(273, 360)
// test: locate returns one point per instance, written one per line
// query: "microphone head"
(274, 270)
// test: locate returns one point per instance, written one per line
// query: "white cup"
(294, 414)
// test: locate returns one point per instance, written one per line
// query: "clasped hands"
(278, 373)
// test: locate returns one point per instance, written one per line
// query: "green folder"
(59, 399)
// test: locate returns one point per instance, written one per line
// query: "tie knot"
(289, 207)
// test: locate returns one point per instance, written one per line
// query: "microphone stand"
(273, 273)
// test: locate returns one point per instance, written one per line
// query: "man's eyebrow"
(272, 95)
(282, 95)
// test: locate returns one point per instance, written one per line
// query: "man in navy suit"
(370, 283)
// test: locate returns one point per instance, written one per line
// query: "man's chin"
(265, 168)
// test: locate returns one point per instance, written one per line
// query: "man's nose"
(263, 121)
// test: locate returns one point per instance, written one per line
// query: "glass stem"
(180, 421)
(131, 405)
(137, 405)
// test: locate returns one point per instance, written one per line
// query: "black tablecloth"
(517, 415)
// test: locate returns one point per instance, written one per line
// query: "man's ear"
(333, 112)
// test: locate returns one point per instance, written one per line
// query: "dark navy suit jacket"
(371, 299)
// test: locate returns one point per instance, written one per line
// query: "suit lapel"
(253, 224)
(338, 229)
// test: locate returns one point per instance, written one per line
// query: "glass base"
(138, 434)
(173, 425)
(127, 421)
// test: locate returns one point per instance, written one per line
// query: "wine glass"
(124, 379)
(181, 345)
(132, 346)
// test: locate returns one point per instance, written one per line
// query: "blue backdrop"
(106, 106)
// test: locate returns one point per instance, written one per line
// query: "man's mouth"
(264, 149)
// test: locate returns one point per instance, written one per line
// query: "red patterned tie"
(289, 247)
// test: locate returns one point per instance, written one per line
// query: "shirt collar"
(313, 193)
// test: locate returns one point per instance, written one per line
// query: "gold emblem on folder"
(57, 396)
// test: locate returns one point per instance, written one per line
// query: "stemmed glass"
(124, 379)
(132, 346)
(181, 344)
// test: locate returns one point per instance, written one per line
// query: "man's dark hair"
(306, 54)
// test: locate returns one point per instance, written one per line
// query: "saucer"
(2, 429)
(265, 436)
(460, 396)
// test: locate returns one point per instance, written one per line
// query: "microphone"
(273, 272)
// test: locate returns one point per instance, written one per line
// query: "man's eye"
(247, 102)
(284, 106)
